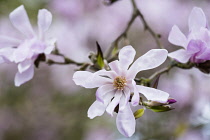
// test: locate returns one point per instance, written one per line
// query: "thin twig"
(123, 34)
(146, 26)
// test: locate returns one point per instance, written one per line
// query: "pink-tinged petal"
(205, 55)
(196, 47)
(176, 37)
(149, 60)
(110, 108)
(89, 80)
(110, 74)
(96, 109)
(101, 91)
(115, 66)
(19, 19)
(126, 122)
(180, 55)
(197, 19)
(135, 99)
(108, 97)
(44, 20)
(27, 75)
(7, 54)
(23, 66)
(6, 41)
(153, 94)
(22, 52)
(124, 99)
(126, 56)
(50, 45)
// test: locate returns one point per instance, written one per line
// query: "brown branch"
(146, 26)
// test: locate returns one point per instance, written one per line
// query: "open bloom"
(116, 86)
(24, 52)
(197, 44)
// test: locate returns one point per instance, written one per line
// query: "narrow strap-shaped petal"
(153, 94)
(23, 66)
(89, 80)
(126, 56)
(135, 99)
(149, 60)
(7, 54)
(110, 74)
(19, 19)
(126, 122)
(205, 55)
(176, 37)
(96, 109)
(22, 52)
(180, 55)
(108, 97)
(197, 19)
(44, 21)
(110, 108)
(6, 41)
(27, 75)
(50, 45)
(101, 91)
(115, 66)
(124, 99)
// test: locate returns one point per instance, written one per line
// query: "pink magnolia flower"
(24, 52)
(197, 44)
(116, 86)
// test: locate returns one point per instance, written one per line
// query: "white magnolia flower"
(116, 86)
(24, 52)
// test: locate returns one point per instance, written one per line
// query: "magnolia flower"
(116, 86)
(24, 52)
(197, 44)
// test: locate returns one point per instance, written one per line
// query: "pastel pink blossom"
(116, 86)
(196, 45)
(24, 52)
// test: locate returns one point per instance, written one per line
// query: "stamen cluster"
(119, 82)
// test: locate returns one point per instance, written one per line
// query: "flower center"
(119, 82)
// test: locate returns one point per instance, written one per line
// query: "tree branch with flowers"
(115, 73)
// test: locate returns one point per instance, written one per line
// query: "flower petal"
(44, 21)
(115, 66)
(101, 91)
(153, 94)
(89, 80)
(22, 52)
(197, 19)
(110, 108)
(126, 122)
(27, 75)
(110, 74)
(124, 99)
(135, 99)
(176, 37)
(50, 45)
(19, 19)
(180, 55)
(126, 56)
(96, 109)
(7, 54)
(150, 60)
(6, 41)
(23, 66)
(108, 97)
(205, 55)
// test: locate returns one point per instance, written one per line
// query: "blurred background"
(52, 107)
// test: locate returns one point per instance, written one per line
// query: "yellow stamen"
(119, 82)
